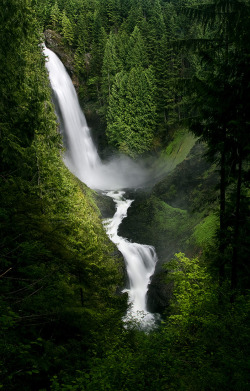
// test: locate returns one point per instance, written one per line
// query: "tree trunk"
(234, 277)
(222, 244)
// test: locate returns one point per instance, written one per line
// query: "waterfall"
(140, 260)
(82, 159)
(81, 156)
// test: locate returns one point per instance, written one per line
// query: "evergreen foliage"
(222, 118)
(55, 17)
(67, 30)
(200, 346)
(61, 314)
(131, 112)
(111, 65)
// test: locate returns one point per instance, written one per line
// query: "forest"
(166, 82)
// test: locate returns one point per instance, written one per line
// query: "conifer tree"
(110, 14)
(167, 67)
(56, 18)
(96, 60)
(83, 31)
(137, 55)
(131, 111)
(111, 66)
(153, 25)
(135, 16)
(67, 29)
(217, 100)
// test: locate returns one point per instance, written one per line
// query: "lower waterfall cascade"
(140, 261)
(82, 159)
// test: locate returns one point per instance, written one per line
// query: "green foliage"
(204, 232)
(200, 345)
(131, 111)
(43, 11)
(179, 147)
(137, 56)
(222, 116)
(169, 218)
(55, 16)
(203, 336)
(111, 65)
(137, 33)
(192, 287)
(18, 110)
(67, 30)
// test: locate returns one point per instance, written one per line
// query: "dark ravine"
(161, 216)
(164, 217)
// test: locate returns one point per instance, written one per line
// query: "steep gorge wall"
(167, 216)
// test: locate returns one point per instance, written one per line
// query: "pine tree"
(154, 25)
(96, 60)
(135, 16)
(137, 55)
(110, 14)
(55, 17)
(67, 29)
(111, 66)
(167, 67)
(83, 31)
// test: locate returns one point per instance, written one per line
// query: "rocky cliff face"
(54, 41)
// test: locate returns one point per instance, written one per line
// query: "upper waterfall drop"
(81, 155)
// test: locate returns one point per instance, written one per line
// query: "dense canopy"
(149, 70)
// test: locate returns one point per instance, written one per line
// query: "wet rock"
(105, 204)
(159, 293)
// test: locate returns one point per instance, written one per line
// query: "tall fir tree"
(111, 66)
(67, 29)
(218, 89)
(55, 17)
(137, 54)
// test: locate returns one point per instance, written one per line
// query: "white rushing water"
(140, 262)
(82, 159)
